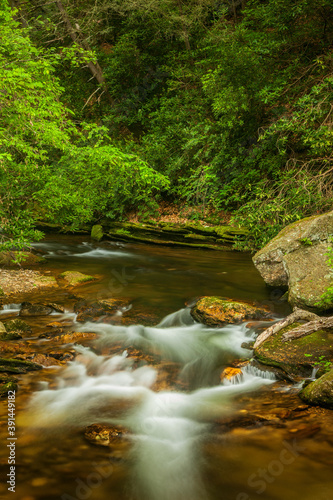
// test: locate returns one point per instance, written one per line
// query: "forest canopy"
(108, 105)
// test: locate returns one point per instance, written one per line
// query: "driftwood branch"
(308, 328)
(297, 315)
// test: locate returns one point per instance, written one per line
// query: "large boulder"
(297, 258)
(319, 392)
(217, 311)
(298, 357)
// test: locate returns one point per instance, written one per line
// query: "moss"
(96, 232)
(296, 357)
(12, 365)
(17, 325)
(75, 278)
(217, 311)
(319, 392)
(10, 336)
(9, 386)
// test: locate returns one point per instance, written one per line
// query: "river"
(177, 432)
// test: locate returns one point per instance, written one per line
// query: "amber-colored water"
(267, 446)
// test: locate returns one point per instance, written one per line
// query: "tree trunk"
(185, 31)
(77, 37)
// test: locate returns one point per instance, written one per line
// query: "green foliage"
(202, 103)
(327, 298)
(323, 364)
(49, 168)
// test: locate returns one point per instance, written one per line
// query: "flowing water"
(150, 378)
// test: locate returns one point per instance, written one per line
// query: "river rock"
(18, 326)
(105, 435)
(319, 392)
(297, 258)
(216, 311)
(4, 335)
(97, 232)
(12, 365)
(26, 259)
(29, 309)
(93, 311)
(296, 358)
(74, 278)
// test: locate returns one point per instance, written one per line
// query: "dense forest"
(214, 105)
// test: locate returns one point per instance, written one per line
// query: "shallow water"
(186, 436)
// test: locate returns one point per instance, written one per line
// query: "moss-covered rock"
(97, 232)
(216, 311)
(297, 258)
(25, 259)
(74, 278)
(18, 326)
(10, 385)
(319, 392)
(298, 357)
(12, 365)
(4, 335)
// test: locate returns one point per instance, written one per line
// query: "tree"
(49, 167)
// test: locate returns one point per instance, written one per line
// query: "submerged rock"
(18, 326)
(319, 392)
(93, 311)
(298, 357)
(29, 309)
(297, 258)
(216, 311)
(105, 435)
(74, 278)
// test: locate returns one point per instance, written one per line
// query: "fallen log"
(311, 327)
(297, 315)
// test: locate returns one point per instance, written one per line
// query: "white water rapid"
(167, 427)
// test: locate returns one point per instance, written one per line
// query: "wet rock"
(97, 232)
(73, 278)
(105, 435)
(4, 335)
(216, 311)
(298, 357)
(248, 345)
(18, 326)
(29, 309)
(319, 392)
(10, 385)
(71, 338)
(296, 258)
(12, 365)
(56, 307)
(87, 311)
(230, 372)
(40, 359)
